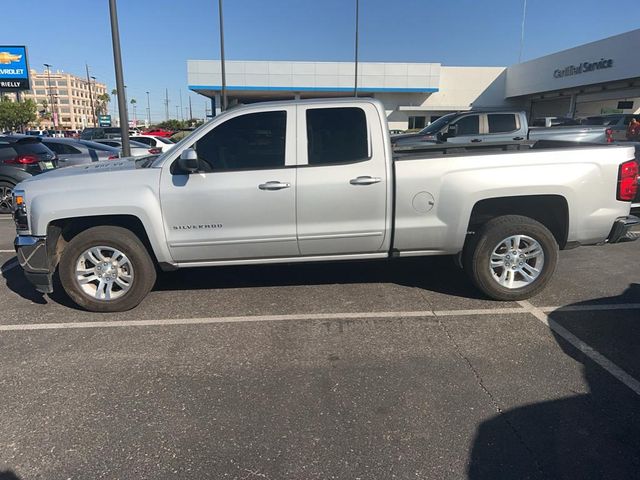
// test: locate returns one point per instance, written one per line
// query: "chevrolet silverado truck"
(497, 126)
(314, 181)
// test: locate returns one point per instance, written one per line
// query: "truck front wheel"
(106, 269)
(511, 257)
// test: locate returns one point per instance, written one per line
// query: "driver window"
(469, 125)
(248, 142)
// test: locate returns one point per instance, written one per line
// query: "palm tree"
(114, 93)
(102, 103)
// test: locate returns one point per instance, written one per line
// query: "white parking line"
(8, 251)
(525, 308)
(594, 355)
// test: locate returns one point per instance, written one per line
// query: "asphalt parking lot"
(333, 371)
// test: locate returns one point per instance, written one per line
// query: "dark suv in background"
(21, 157)
(100, 132)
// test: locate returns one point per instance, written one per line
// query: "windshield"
(438, 125)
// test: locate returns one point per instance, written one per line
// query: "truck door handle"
(475, 140)
(273, 185)
(518, 138)
(365, 180)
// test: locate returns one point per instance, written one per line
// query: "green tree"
(15, 115)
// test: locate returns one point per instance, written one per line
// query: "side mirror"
(188, 161)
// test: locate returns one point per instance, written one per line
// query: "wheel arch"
(552, 211)
(61, 231)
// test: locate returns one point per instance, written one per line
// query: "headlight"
(20, 211)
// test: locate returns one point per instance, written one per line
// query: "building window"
(39, 83)
(41, 92)
(417, 122)
(625, 105)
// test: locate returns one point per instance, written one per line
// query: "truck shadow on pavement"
(8, 475)
(586, 436)
(434, 274)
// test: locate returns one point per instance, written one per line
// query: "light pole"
(148, 111)
(93, 108)
(95, 102)
(355, 76)
(117, 63)
(53, 116)
(224, 76)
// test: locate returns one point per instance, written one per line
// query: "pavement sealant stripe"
(587, 350)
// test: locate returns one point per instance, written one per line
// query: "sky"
(159, 36)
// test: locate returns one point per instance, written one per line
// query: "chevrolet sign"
(14, 70)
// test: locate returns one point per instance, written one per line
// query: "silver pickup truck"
(316, 180)
(493, 126)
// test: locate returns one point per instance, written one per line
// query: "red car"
(158, 132)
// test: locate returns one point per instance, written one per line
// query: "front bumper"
(625, 229)
(33, 258)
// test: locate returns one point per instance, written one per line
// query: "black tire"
(6, 201)
(126, 242)
(478, 250)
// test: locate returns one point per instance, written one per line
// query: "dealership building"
(595, 78)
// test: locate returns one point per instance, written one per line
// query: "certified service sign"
(14, 70)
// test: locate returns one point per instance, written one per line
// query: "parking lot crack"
(492, 400)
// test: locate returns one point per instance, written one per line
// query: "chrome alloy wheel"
(6, 201)
(516, 261)
(104, 273)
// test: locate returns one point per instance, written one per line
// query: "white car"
(153, 141)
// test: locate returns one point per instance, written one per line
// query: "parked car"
(137, 149)
(159, 132)
(78, 152)
(21, 157)
(616, 122)
(100, 132)
(315, 180)
(490, 127)
(37, 133)
(554, 122)
(72, 133)
(163, 143)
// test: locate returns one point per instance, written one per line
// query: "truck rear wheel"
(106, 269)
(511, 258)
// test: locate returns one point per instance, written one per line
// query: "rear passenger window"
(502, 122)
(468, 125)
(336, 135)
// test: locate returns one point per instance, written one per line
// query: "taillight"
(155, 151)
(23, 160)
(609, 134)
(627, 181)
